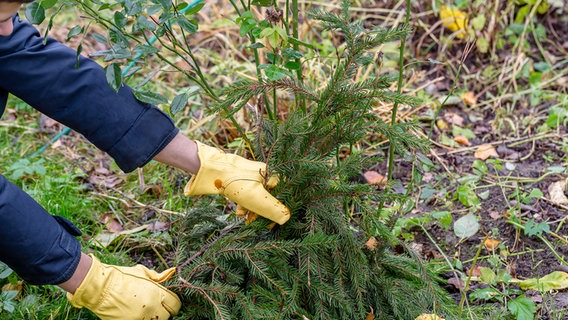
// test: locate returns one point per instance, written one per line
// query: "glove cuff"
(90, 292)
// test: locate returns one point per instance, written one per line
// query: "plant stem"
(399, 90)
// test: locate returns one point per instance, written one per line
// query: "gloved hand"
(123, 293)
(238, 179)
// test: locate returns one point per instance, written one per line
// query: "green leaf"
(105, 6)
(113, 76)
(488, 276)
(522, 308)
(479, 167)
(291, 54)
(522, 13)
(542, 66)
(256, 45)
(190, 26)
(166, 4)
(281, 32)
(478, 22)
(557, 280)
(444, 217)
(266, 32)
(146, 49)
(74, 31)
(466, 226)
(556, 169)
(466, 195)
(484, 294)
(535, 78)
(247, 26)
(46, 4)
(7, 300)
(274, 73)
(178, 103)
(195, 9)
(142, 23)
(120, 19)
(5, 271)
(35, 13)
(292, 65)
(150, 97)
(463, 131)
(535, 193)
(100, 38)
(532, 228)
(274, 39)
(133, 7)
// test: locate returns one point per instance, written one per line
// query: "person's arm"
(49, 78)
(41, 248)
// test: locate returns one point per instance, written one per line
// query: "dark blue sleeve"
(41, 248)
(46, 77)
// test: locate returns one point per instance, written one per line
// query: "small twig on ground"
(136, 202)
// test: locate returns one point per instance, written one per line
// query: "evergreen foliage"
(317, 265)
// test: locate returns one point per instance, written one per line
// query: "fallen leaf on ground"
(458, 283)
(158, 226)
(454, 20)
(442, 124)
(18, 286)
(462, 140)
(556, 191)
(491, 244)
(111, 223)
(556, 280)
(495, 215)
(454, 118)
(106, 181)
(469, 98)
(475, 272)
(485, 151)
(466, 226)
(371, 243)
(375, 178)
(104, 239)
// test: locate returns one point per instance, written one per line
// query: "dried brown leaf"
(469, 98)
(371, 243)
(458, 283)
(462, 140)
(454, 118)
(491, 244)
(556, 192)
(158, 226)
(373, 177)
(105, 181)
(486, 151)
(111, 223)
(475, 272)
(495, 214)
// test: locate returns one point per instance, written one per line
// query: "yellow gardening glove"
(124, 293)
(238, 179)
